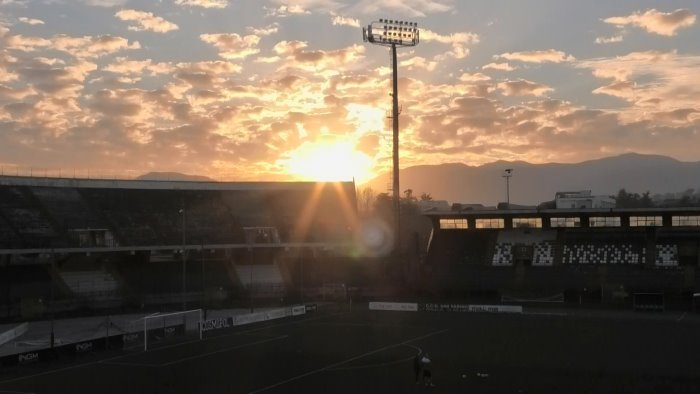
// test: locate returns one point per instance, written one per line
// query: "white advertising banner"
(496, 308)
(393, 306)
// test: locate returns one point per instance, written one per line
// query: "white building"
(582, 199)
(433, 205)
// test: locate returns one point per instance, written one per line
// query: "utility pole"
(184, 261)
(507, 174)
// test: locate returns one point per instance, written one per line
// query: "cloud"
(546, 56)
(407, 8)
(284, 11)
(410, 8)
(30, 21)
(458, 41)
(145, 21)
(419, 62)
(499, 67)
(650, 81)
(264, 31)
(125, 66)
(297, 56)
(477, 77)
(203, 3)
(233, 46)
(653, 21)
(105, 3)
(345, 21)
(609, 40)
(81, 47)
(523, 87)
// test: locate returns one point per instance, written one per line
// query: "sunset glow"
(336, 161)
(252, 91)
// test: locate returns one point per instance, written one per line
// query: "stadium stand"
(75, 242)
(581, 253)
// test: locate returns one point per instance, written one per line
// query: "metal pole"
(508, 191)
(184, 262)
(204, 287)
(395, 119)
(250, 283)
(51, 307)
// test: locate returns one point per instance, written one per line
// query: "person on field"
(417, 366)
(425, 368)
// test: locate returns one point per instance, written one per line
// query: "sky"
(268, 90)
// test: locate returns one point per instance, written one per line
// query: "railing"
(91, 173)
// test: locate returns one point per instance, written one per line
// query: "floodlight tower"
(393, 34)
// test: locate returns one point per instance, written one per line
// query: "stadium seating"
(68, 208)
(503, 255)
(264, 279)
(543, 254)
(666, 255)
(90, 283)
(600, 253)
(261, 274)
(22, 216)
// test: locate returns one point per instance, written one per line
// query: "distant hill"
(172, 176)
(535, 183)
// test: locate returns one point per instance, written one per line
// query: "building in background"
(582, 199)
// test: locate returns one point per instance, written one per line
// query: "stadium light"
(507, 174)
(394, 33)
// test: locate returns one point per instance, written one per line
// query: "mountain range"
(534, 183)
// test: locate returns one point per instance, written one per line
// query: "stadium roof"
(564, 212)
(8, 180)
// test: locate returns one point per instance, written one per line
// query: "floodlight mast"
(393, 34)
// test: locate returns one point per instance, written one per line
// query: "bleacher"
(503, 254)
(22, 216)
(263, 279)
(543, 254)
(666, 255)
(601, 253)
(93, 283)
(68, 208)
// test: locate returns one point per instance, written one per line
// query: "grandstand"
(599, 255)
(71, 244)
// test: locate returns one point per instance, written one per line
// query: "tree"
(408, 195)
(366, 200)
(426, 197)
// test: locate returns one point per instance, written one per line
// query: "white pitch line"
(104, 361)
(15, 392)
(223, 350)
(384, 364)
(327, 367)
(127, 364)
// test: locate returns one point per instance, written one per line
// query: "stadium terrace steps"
(90, 282)
(259, 274)
(21, 214)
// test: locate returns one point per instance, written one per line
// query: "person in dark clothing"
(427, 373)
(417, 366)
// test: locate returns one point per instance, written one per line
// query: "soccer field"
(372, 351)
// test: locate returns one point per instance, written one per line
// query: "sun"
(329, 162)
